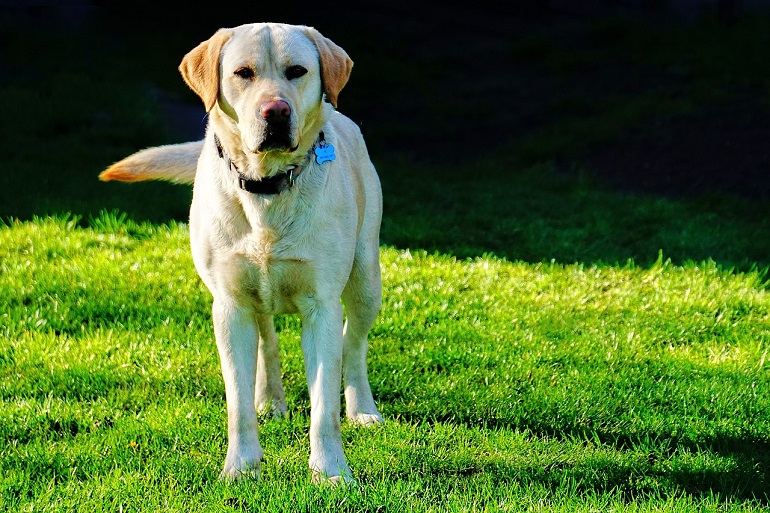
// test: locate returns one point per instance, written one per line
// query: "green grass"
(505, 385)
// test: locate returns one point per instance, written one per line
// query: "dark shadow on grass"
(541, 213)
(652, 476)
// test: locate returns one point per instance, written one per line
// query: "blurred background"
(599, 131)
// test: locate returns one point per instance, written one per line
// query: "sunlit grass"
(505, 385)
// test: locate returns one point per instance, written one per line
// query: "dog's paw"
(275, 409)
(233, 474)
(366, 419)
(279, 410)
(330, 469)
(240, 466)
(321, 479)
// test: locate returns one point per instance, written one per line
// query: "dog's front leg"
(236, 334)
(322, 350)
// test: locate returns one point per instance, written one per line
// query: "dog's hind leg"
(362, 298)
(269, 395)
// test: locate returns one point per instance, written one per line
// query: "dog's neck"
(258, 166)
(276, 184)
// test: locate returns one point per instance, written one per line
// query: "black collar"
(270, 185)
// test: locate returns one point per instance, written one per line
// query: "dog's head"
(268, 82)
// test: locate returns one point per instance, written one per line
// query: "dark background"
(459, 81)
(531, 130)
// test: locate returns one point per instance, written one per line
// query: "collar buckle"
(290, 178)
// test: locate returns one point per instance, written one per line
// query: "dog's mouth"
(277, 137)
(278, 146)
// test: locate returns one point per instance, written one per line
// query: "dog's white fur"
(297, 251)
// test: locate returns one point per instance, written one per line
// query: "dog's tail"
(174, 163)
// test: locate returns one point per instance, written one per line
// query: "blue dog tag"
(324, 153)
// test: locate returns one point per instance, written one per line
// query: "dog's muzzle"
(276, 115)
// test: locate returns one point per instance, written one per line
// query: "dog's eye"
(293, 72)
(245, 73)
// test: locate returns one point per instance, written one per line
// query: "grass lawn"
(546, 343)
(505, 385)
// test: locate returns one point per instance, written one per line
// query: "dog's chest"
(273, 256)
(272, 275)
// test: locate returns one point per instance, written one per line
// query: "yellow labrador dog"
(285, 218)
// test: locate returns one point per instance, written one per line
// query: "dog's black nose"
(275, 111)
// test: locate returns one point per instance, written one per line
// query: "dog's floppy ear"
(335, 65)
(200, 67)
